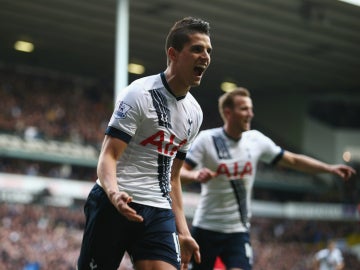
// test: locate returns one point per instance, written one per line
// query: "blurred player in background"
(136, 204)
(224, 160)
(329, 258)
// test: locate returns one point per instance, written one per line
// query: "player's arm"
(311, 165)
(188, 174)
(188, 245)
(111, 150)
(340, 266)
(316, 264)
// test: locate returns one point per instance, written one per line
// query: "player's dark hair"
(179, 33)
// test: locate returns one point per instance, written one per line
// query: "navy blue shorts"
(234, 249)
(108, 234)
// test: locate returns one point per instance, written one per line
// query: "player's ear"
(172, 54)
(226, 112)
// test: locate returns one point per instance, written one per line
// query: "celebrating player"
(224, 160)
(136, 203)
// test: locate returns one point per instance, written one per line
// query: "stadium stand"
(47, 105)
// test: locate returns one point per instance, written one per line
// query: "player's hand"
(121, 201)
(204, 175)
(189, 248)
(344, 171)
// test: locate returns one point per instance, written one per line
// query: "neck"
(231, 132)
(177, 87)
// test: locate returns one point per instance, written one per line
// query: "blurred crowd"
(51, 106)
(38, 104)
(33, 235)
(47, 169)
(38, 237)
(291, 244)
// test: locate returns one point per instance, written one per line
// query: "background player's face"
(242, 113)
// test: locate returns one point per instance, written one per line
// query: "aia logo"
(159, 140)
(234, 171)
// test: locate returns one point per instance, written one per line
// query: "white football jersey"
(329, 259)
(225, 204)
(157, 127)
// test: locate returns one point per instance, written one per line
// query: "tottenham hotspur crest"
(190, 122)
(122, 110)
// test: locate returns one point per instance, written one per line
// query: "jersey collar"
(231, 138)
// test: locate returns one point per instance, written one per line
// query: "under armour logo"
(93, 265)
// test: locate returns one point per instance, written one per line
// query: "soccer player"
(136, 203)
(329, 258)
(224, 161)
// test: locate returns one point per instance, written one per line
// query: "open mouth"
(199, 70)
